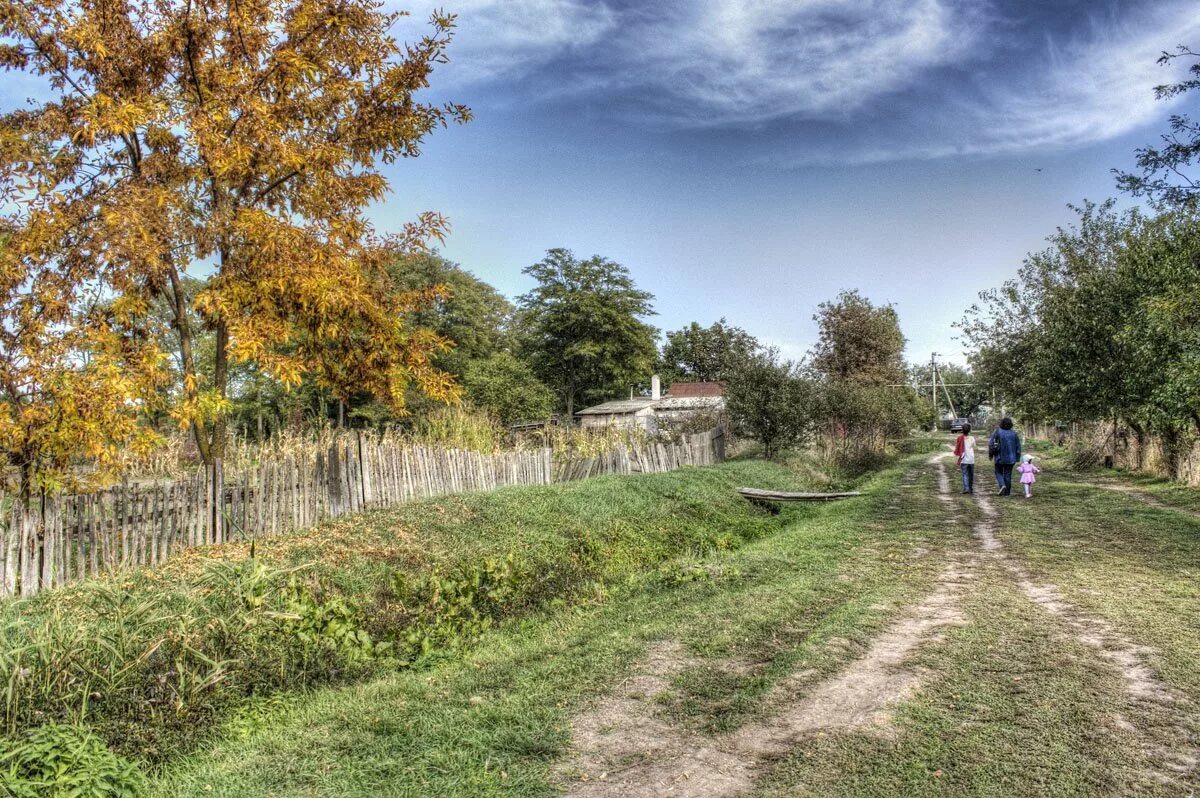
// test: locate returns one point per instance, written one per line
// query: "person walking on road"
(964, 450)
(1004, 449)
(1028, 472)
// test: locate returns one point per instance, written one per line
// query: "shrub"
(447, 610)
(68, 761)
(771, 401)
(146, 667)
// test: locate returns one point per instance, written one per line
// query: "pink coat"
(1027, 470)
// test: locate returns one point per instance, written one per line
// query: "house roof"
(689, 403)
(682, 389)
(618, 407)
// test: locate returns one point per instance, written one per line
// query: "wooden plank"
(788, 496)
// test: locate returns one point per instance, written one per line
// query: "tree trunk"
(1139, 437)
(219, 426)
(187, 357)
(25, 482)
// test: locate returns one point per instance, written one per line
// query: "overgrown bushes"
(146, 667)
(70, 761)
(1109, 320)
(850, 396)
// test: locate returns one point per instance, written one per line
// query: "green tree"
(1048, 339)
(1164, 170)
(1104, 323)
(705, 354)
(582, 327)
(771, 401)
(968, 393)
(858, 342)
(507, 388)
(472, 314)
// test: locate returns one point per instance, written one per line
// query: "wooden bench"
(768, 498)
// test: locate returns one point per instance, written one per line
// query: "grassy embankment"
(496, 720)
(1010, 704)
(150, 661)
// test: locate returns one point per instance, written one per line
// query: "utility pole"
(945, 390)
(933, 387)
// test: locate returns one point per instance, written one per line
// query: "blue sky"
(750, 158)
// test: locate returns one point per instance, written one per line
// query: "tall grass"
(146, 666)
(150, 660)
(459, 428)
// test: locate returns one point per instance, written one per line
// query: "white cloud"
(721, 62)
(505, 38)
(1094, 87)
(867, 68)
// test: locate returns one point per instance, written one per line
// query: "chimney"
(655, 388)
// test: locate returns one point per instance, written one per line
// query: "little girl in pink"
(1027, 470)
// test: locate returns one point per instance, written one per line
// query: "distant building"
(682, 399)
(685, 399)
(638, 412)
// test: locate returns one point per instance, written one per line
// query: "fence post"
(217, 492)
(8, 548)
(368, 493)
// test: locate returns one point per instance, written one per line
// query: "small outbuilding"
(636, 412)
(682, 400)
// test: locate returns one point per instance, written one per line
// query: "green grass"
(1014, 705)
(494, 722)
(1010, 704)
(1114, 556)
(1178, 495)
(149, 660)
(1011, 708)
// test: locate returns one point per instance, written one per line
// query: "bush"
(508, 389)
(770, 401)
(860, 420)
(146, 668)
(447, 610)
(58, 760)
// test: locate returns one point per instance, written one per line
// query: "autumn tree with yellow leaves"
(239, 142)
(75, 378)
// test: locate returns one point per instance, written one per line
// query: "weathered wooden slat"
(788, 496)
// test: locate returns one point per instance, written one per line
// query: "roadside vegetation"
(1102, 327)
(148, 660)
(496, 721)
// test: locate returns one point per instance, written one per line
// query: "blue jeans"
(968, 477)
(1004, 477)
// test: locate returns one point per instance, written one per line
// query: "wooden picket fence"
(53, 540)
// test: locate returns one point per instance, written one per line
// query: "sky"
(749, 159)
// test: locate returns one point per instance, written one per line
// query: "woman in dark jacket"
(1004, 447)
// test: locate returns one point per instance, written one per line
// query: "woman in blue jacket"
(1004, 447)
